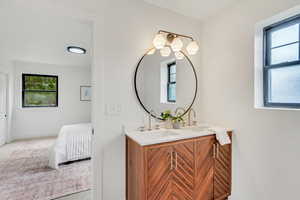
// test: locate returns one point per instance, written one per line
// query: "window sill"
(276, 108)
(38, 108)
(171, 103)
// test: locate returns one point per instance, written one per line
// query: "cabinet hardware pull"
(214, 150)
(218, 149)
(175, 160)
(171, 160)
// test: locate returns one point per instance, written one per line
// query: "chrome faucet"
(178, 109)
(176, 112)
(149, 120)
(189, 116)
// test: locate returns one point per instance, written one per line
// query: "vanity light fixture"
(77, 50)
(168, 39)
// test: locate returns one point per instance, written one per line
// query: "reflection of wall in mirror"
(152, 83)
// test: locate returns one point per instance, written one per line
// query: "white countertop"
(162, 135)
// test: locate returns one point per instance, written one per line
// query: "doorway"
(46, 88)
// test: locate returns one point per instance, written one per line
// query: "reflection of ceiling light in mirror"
(159, 41)
(192, 48)
(177, 44)
(151, 52)
(165, 52)
(179, 55)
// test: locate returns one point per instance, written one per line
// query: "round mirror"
(165, 83)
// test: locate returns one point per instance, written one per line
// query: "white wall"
(123, 32)
(266, 142)
(39, 122)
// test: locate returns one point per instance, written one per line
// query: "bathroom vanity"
(183, 164)
(173, 164)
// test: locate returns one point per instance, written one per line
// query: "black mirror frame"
(136, 91)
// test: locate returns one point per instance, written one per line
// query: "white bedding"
(73, 143)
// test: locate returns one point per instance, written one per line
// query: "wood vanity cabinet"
(191, 169)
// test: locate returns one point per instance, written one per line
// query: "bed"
(73, 143)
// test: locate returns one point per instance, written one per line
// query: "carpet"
(25, 176)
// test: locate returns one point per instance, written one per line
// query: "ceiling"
(43, 37)
(38, 31)
(199, 9)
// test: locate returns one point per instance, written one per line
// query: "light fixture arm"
(176, 34)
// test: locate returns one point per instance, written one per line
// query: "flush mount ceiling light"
(77, 50)
(165, 39)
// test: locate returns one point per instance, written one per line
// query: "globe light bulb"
(159, 41)
(179, 55)
(177, 44)
(165, 52)
(192, 48)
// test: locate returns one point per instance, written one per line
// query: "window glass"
(172, 82)
(285, 54)
(40, 90)
(285, 84)
(40, 83)
(172, 77)
(33, 99)
(172, 92)
(173, 69)
(285, 36)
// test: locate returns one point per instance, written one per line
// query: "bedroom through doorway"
(46, 147)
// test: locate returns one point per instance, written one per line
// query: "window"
(39, 90)
(172, 82)
(282, 64)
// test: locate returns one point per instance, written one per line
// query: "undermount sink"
(172, 133)
(199, 128)
(162, 133)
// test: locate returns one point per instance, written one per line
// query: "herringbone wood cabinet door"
(171, 172)
(159, 173)
(183, 176)
(204, 173)
(222, 178)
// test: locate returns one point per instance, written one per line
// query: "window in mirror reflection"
(171, 97)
